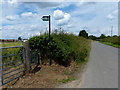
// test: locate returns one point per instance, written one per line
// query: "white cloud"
(112, 15)
(12, 18)
(12, 1)
(65, 20)
(28, 14)
(23, 30)
(61, 17)
(58, 14)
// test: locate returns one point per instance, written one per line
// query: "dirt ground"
(46, 76)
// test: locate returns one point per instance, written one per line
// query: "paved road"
(102, 69)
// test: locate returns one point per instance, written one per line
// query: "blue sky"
(24, 19)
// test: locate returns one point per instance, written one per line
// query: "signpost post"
(49, 26)
(48, 18)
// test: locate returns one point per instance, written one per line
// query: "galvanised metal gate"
(12, 65)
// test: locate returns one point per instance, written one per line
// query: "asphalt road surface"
(102, 69)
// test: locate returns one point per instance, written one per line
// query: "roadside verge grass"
(65, 80)
(111, 44)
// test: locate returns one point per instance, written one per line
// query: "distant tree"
(115, 36)
(19, 38)
(83, 33)
(102, 36)
(92, 37)
(108, 36)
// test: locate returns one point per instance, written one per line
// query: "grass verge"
(69, 79)
(111, 44)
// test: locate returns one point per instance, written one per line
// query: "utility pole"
(111, 31)
(60, 30)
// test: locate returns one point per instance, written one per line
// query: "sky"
(23, 19)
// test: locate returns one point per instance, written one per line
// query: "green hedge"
(62, 48)
(113, 40)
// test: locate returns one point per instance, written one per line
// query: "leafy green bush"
(61, 47)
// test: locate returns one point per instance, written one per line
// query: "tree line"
(103, 38)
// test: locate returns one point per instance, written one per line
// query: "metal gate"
(11, 64)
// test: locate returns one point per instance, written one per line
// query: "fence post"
(27, 57)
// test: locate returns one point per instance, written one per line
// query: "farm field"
(10, 51)
(9, 44)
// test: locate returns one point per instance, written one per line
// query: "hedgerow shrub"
(114, 40)
(62, 48)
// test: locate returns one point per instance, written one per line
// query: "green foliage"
(92, 37)
(19, 38)
(102, 36)
(69, 79)
(114, 40)
(114, 45)
(61, 47)
(83, 33)
(11, 51)
(66, 72)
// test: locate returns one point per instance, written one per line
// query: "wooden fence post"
(27, 57)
